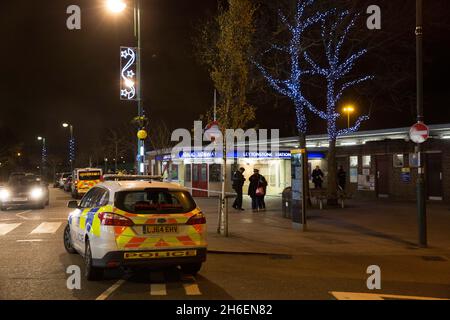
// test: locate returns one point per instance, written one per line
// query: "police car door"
(81, 218)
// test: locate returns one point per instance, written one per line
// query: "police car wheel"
(68, 241)
(92, 273)
(3, 208)
(191, 268)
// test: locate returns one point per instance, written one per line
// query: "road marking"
(31, 240)
(190, 286)
(376, 296)
(6, 228)
(23, 212)
(47, 227)
(110, 290)
(158, 289)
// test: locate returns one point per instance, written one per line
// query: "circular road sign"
(419, 133)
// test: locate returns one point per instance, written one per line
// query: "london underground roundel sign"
(419, 133)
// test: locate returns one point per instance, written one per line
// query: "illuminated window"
(399, 160)
(366, 161)
(353, 161)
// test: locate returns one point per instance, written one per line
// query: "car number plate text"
(160, 229)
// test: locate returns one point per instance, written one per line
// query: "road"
(34, 264)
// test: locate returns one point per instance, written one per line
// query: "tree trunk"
(332, 198)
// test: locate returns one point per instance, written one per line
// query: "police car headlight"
(4, 195)
(36, 193)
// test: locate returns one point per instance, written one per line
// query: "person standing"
(342, 178)
(257, 190)
(317, 177)
(238, 183)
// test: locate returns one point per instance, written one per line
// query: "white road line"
(158, 289)
(31, 240)
(190, 286)
(110, 290)
(23, 212)
(47, 227)
(6, 228)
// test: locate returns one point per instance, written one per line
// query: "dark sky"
(51, 74)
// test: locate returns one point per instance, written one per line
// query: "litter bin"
(286, 202)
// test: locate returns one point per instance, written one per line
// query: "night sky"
(51, 75)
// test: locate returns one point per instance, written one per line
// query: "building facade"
(378, 164)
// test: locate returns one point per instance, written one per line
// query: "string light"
(334, 72)
(291, 87)
(72, 150)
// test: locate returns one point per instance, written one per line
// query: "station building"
(378, 163)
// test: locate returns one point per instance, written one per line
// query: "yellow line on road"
(376, 296)
(110, 290)
(158, 289)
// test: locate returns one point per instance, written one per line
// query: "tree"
(223, 47)
(334, 33)
(291, 87)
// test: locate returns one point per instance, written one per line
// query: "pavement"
(264, 258)
(376, 227)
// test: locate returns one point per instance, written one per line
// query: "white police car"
(136, 223)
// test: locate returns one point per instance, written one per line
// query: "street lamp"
(348, 109)
(71, 145)
(118, 6)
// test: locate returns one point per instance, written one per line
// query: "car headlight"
(4, 195)
(36, 193)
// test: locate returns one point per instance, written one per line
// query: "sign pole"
(420, 184)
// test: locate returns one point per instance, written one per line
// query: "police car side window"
(90, 198)
(103, 198)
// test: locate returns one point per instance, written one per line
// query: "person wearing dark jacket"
(257, 190)
(342, 178)
(317, 177)
(238, 182)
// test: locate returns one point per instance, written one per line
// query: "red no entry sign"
(419, 133)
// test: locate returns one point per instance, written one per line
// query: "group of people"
(317, 178)
(256, 190)
(258, 186)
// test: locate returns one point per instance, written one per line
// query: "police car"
(130, 223)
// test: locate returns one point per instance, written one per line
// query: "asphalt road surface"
(33, 265)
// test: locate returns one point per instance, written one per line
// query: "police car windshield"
(155, 201)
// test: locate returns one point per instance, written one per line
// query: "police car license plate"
(19, 199)
(160, 229)
(159, 254)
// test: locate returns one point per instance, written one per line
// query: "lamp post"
(118, 6)
(420, 183)
(348, 109)
(71, 145)
(43, 155)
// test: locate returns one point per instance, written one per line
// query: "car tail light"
(197, 219)
(102, 179)
(112, 219)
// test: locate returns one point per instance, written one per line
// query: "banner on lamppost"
(128, 72)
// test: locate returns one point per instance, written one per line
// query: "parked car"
(62, 179)
(68, 184)
(56, 181)
(136, 224)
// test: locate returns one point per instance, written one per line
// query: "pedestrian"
(238, 183)
(317, 177)
(342, 178)
(257, 190)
